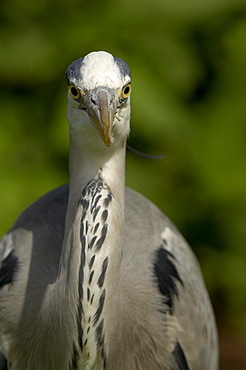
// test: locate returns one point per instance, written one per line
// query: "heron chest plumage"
(94, 260)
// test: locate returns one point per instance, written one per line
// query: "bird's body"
(93, 275)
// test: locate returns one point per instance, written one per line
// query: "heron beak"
(101, 109)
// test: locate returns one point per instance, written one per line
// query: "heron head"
(99, 88)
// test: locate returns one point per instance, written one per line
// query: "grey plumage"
(93, 275)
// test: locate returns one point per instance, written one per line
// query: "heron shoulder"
(155, 244)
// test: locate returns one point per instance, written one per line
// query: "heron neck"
(87, 163)
(93, 244)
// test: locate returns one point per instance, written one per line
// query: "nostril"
(93, 101)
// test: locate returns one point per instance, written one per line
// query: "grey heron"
(93, 275)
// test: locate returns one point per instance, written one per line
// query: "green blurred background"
(188, 61)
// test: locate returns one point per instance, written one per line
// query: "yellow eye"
(74, 92)
(126, 91)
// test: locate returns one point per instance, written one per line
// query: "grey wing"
(190, 304)
(29, 251)
(191, 327)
